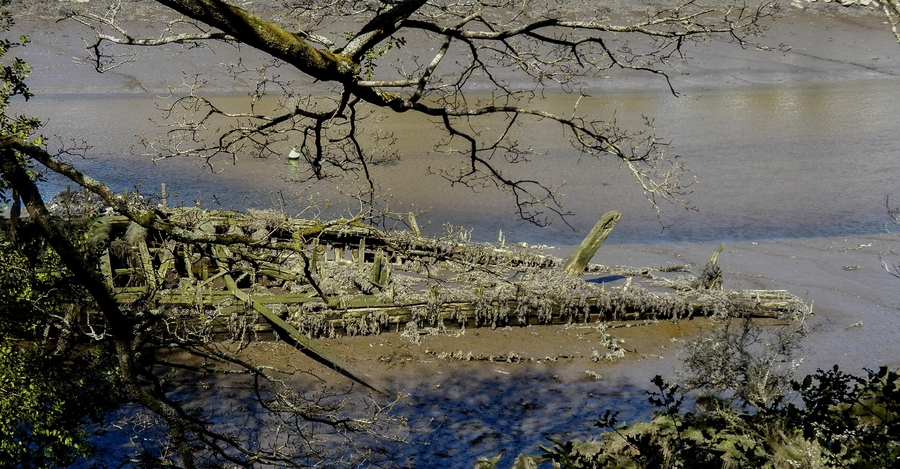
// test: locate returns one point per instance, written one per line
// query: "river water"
(773, 161)
(793, 171)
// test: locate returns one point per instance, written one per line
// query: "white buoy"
(294, 154)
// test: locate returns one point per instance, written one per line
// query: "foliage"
(846, 421)
(856, 420)
(12, 83)
(50, 384)
(752, 363)
(35, 289)
(44, 402)
(749, 413)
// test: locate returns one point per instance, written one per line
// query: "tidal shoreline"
(824, 44)
(481, 408)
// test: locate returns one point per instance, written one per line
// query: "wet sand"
(469, 409)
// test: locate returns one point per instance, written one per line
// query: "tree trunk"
(120, 328)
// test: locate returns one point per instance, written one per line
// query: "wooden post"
(711, 277)
(106, 268)
(68, 202)
(380, 270)
(414, 225)
(579, 259)
(147, 271)
(84, 204)
(187, 252)
(361, 257)
(164, 194)
(314, 255)
(166, 259)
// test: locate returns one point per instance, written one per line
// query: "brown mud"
(468, 408)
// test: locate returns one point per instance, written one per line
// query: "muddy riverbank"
(468, 409)
(459, 409)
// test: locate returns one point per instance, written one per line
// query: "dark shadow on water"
(455, 414)
(607, 279)
(509, 409)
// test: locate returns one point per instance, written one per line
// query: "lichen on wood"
(299, 270)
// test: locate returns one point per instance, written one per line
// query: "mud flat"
(471, 408)
(522, 385)
(820, 41)
(464, 409)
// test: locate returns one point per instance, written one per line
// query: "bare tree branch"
(461, 47)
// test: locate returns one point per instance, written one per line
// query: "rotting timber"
(346, 278)
(301, 279)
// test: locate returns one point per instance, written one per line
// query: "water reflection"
(774, 161)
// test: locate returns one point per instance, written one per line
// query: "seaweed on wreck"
(342, 277)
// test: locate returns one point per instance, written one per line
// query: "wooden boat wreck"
(318, 279)
(212, 275)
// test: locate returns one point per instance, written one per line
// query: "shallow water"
(775, 161)
(800, 167)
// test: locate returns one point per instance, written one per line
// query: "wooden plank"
(106, 268)
(167, 259)
(147, 265)
(301, 340)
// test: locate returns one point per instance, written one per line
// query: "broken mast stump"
(711, 277)
(414, 225)
(579, 259)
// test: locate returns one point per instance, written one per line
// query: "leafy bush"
(44, 403)
(845, 421)
(854, 419)
(749, 412)
(52, 378)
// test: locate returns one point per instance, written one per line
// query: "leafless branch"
(460, 47)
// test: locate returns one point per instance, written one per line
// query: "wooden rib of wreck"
(345, 278)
